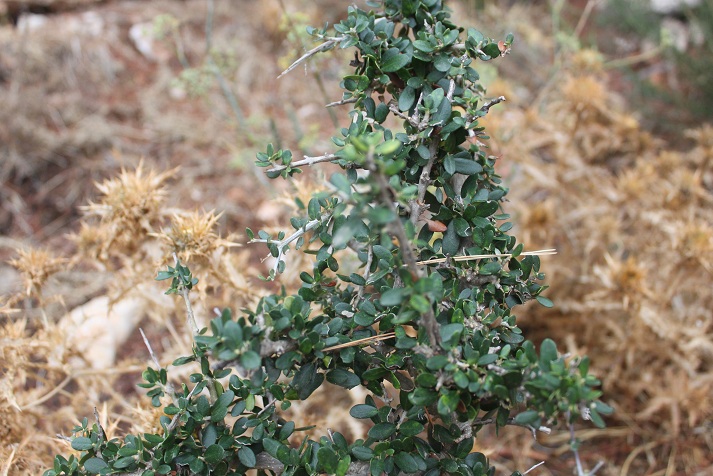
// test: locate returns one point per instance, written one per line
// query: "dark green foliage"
(456, 356)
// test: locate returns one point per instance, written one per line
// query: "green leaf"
(307, 380)
(529, 417)
(442, 114)
(442, 63)
(420, 303)
(234, 332)
(218, 413)
(449, 164)
(363, 411)
(388, 148)
(271, 446)
(410, 428)
(423, 45)
(448, 402)
(406, 462)
(163, 275)
(82, 444)
(94, 465)
(328, 460)
(381, 431)
(491, 267)
(214, 454)
(394, 60)
(362, 453)
(492, 50)
(544, 301)
(250, 360)
(343, 378)
(393, 297)
(451, 240)
(487, 359)
(343, 466)
(422, 396)
(548, 352)
(247, 457)
(407, 98)
(596, 418)
(449, 331)
(467, 166)
(603, 408)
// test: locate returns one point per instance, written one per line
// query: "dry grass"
(629, 216)
(631, 222)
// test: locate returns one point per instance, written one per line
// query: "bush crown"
(425, 323)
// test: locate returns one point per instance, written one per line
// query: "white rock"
(669, 6)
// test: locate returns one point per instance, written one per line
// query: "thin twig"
(580, 469)
(168, 388)
(102, 434)
(537, 465)
(281, 244)
(309, 161)
(148, 346)
(547, 252)
(424, 180)
(591, 4)
(327, 45)
(272, 402)
(367, 271)
(342, 102)
(190, 317)
(365, 340)
(486, 107)
(395, 109)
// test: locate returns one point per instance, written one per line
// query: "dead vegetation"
(629, 215)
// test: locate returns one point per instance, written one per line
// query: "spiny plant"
(420, 314)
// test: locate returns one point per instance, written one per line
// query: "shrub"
(420, 314)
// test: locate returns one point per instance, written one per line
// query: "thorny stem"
(100, 428)
(306, 161)
(395, 110)
(190, 317)
(327, 45)
(424, 180)
(572, 442)
(367, 270)
(428, 319)
(486, 107)
(293, 237)
(168, 388)
(467, 427)
(342, 102)
(577, 459)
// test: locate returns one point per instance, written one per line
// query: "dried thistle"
(193, 237)
(584, 93)
(128, 207)
(36, 266)
(587, 61)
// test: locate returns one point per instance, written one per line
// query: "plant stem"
(428, 319)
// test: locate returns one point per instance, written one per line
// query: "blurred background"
(128, 131)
